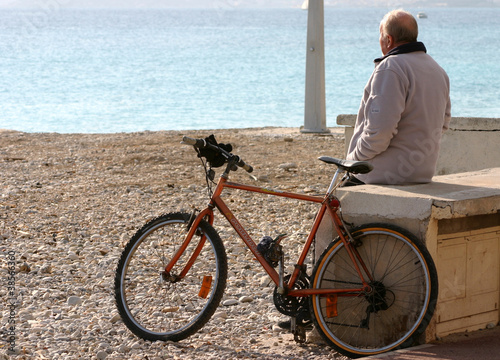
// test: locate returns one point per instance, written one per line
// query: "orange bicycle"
(373, 289)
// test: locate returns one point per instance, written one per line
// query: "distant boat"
(422, 15)
(305, 5)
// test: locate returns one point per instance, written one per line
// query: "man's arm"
(384, 104)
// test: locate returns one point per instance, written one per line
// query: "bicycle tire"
(156, 308)
(404, 296)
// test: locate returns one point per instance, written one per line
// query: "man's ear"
(389, 41)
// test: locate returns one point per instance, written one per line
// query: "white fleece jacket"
(405, 108)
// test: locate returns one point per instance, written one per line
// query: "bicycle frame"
(329, 204)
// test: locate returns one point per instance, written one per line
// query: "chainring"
(292, 305)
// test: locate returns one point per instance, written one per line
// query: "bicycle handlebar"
(201, 144)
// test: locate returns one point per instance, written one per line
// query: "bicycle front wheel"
(159, 306)
(404, 284)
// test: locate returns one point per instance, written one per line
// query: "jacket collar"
(403, 49)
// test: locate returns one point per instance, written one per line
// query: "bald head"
(396, 28)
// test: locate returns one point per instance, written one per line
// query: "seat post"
(334, 179)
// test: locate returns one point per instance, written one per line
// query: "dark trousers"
(353, 182)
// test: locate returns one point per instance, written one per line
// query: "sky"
(224, 3)
(151, 3)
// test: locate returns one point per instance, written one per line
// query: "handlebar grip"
(199, 143)
(245, 166)
(248, 168)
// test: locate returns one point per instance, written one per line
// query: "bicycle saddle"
(354, 167)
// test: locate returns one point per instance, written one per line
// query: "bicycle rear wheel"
(404, 285)
(158, 306)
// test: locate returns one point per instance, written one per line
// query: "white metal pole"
(315, 108)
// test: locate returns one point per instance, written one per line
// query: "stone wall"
(469, 144)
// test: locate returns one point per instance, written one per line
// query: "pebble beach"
(70, 202)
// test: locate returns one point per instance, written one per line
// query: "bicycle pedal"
(299, 334)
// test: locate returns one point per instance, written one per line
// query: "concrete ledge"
(448, 196)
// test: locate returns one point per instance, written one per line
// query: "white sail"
(305, 5)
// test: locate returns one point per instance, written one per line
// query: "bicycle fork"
(192, 228)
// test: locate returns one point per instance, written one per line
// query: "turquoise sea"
(89, 71)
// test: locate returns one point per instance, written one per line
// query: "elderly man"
(404, 110)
